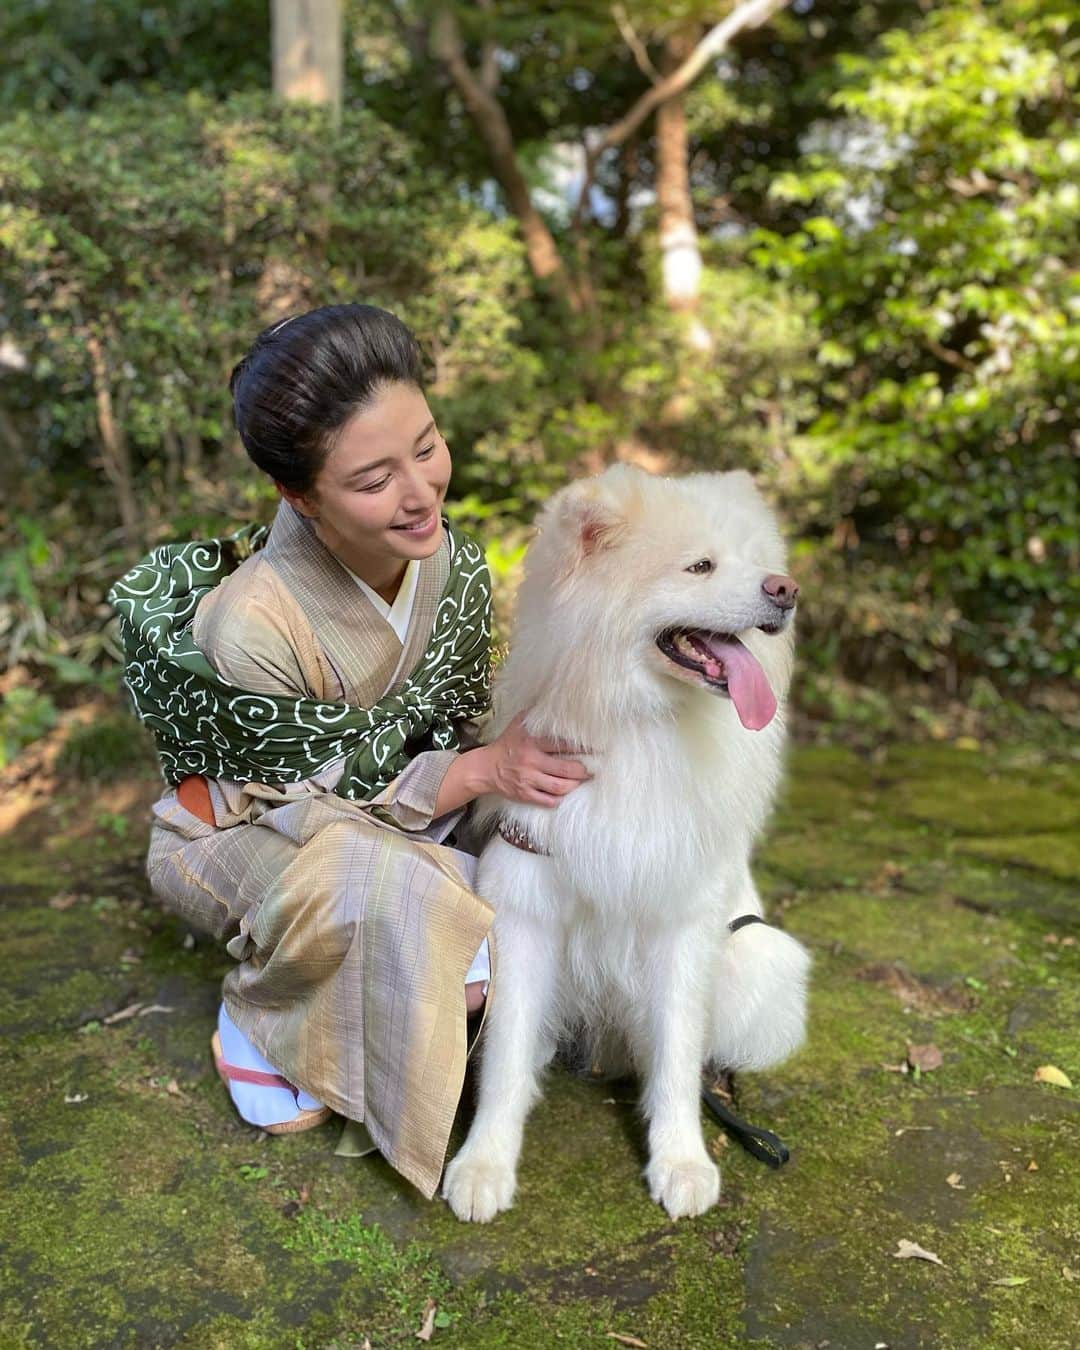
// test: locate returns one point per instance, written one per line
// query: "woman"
(310, 702)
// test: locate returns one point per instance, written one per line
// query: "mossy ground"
(931, 884)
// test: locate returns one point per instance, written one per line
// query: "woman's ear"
(300, 501)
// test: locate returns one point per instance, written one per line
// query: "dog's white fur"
(623, 928)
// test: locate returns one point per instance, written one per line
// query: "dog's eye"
(701, 568)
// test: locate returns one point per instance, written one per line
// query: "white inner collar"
(399, 613)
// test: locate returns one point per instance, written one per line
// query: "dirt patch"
(914, 992)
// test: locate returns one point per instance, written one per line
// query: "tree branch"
(750, 14)
(491, 122)
(630, 37)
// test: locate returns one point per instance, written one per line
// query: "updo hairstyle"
(306, 376)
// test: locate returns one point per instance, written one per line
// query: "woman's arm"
(516, 765)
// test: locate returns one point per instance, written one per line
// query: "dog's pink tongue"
(746, 682)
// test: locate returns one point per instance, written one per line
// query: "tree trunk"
(171, 445)
(494, 130)
(308, 52)
(680, 258)
(115, 456)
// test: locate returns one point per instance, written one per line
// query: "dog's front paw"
(684, 1186)
(477, 1188)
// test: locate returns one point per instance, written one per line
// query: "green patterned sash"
(203, 725)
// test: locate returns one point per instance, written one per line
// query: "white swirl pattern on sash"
(203, 725)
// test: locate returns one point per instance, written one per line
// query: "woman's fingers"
(553, 786)
(560, 748)
(563, 768)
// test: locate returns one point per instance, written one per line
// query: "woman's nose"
(420, 493)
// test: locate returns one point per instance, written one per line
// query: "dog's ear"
(592, 524)
(598, 528)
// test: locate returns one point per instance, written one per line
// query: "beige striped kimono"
(352, 935)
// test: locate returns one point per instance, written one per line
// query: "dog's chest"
(639, 837)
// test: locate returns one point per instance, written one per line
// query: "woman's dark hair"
(304, 378)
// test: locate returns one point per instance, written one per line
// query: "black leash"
(761, 1144)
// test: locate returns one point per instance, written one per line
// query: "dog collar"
(517, 835)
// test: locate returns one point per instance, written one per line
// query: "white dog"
(613, 908)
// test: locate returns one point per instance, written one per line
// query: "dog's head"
(667, 579)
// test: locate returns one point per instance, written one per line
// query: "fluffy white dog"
(654, 630)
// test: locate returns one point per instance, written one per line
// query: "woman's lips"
(422, 529)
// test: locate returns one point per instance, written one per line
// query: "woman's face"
(377, 499)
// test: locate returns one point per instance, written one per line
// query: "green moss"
(128, 1220)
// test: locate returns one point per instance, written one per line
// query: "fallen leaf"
(75, 1098)
(953, 1180)
(888, 878)
(1011, 1281)
(907, 1129)
(895, 1068)
(905, 1249)
(925, 1057)
(62, 901)
(427, 1326)
(172, 1087)
(1032, 1166)
(1069, 1274)
(1050, 1073)
(626, 1340)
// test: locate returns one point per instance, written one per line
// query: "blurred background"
(829, 242)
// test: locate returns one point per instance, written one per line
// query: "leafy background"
(885, 197)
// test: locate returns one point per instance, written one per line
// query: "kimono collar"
(363, 649)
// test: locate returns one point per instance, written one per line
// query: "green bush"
(104, 749)
(25, 715)
(937, 215)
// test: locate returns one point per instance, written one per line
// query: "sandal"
(304, 1120)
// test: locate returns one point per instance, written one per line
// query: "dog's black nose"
(781, 590)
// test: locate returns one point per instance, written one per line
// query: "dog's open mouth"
(721, 662)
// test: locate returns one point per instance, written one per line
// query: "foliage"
(886, 208)
(25, 714)
(939, 214)
(104, 748)
(72, 54)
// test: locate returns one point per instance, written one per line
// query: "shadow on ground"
(933, 888)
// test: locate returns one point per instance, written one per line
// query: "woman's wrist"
(479, 770)
(467, 778)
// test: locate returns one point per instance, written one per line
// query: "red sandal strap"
(239, 1075)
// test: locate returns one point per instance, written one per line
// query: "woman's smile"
(420, 529)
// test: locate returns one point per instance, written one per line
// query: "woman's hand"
(528, 769)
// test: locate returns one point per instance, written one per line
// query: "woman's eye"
(374, 487)
(426, 453)
(702, 567)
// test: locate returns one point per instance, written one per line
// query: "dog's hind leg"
(517, 1044)
(670, 1042)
